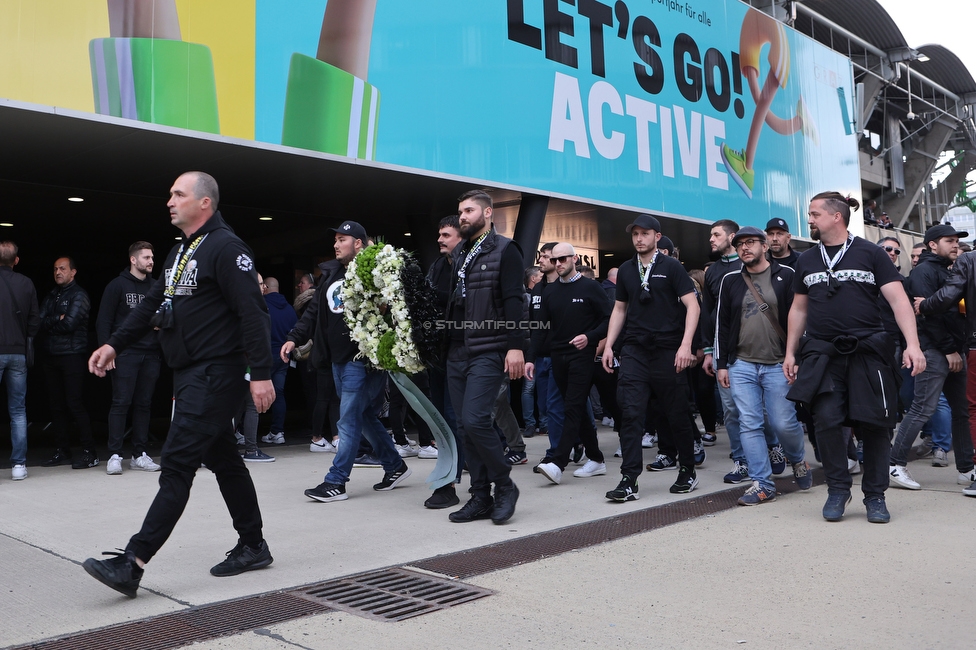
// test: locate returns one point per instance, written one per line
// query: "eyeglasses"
(747, 242)
(562, 258)
(892, 249)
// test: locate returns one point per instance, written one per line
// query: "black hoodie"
(218, 308)
(122, 295)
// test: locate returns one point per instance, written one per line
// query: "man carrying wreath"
(360, 386)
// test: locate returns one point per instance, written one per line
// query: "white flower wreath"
(376, 311)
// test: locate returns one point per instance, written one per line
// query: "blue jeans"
(360, 398)
(730, 418)
(13, 371)
(757, 388)
(543, 367)
(528, 403)
(279, 371)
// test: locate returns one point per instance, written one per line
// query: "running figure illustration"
(758, 29)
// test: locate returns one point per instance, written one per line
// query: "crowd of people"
(835, 341)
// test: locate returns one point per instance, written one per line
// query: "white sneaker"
(940, 457)
(607, 422)
(18, 473)
(405, 451)
(899, 476)
(591, 468)
(114, 465)
(648, 441)
(551, 471)
(619, 453)
(322, 446)
(964, 479)
(853, 466)
(144, 462)
(274, 438)
(240, 438)
(428, 452)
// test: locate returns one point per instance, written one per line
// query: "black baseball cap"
(942, 230)
(351, 228)
(777, 223)
(749, 231)
(665, 243)
(645, 221)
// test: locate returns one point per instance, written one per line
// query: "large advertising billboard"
(704, 110)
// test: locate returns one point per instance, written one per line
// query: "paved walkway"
(760, 577)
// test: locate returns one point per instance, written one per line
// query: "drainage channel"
(394, 593)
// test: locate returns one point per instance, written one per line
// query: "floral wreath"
(390, 310)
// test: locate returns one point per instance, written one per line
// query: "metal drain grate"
(189, 626)
(392, 594)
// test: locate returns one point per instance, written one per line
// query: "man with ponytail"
(839, 359)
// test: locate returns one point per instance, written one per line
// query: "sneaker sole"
(91, 566)
(315, 449)
(251, 567)
(735, 481)
(906, 486)
(259, 460)
(429, 456)
(338, 497)
(551, 479)
(629, 497)
(395, 483)
(969, 492)
(661, 469)
(755, 503)
(110, 473)
(589, 474)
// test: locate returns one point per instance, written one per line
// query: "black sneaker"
(443, 497)
(243, 558)
(88, 459)
(709, 439)
(504, 506)
(833, 509)
(393, 479)
(686, 482)
(326, 492)
(578, 453)
(477, 507)
(60, 457)
(699, 453)
(626, 490)
(367, 461)
(516, 458)
(121, 573)
(528, 432)
(661, 463)
(877, 510)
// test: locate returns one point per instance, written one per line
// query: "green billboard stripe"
(155, 80)
(318, 106)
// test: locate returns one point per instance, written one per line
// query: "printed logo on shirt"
(187, 283)
(867, 277)
(536, 302)
(133, 299)
(244, 262)
(577, 300)
(334, 295)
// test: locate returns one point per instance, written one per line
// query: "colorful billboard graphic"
(702, 110)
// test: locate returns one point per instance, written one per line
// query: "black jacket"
(18, 312)
(961, 284)
(790, 260)
(873, 376)
(326, 328)
(218, 309)
(945, 332)
(731, 293)
(122, 295)
(709, 301)
(68, 335)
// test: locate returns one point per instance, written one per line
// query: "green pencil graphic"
(329, 106)
(144, 71)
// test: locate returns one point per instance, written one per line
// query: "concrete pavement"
(765, 576)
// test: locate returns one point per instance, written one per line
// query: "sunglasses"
(562, 258)
(892, 249)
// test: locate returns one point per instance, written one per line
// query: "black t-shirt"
(854, 308)
(658, 319)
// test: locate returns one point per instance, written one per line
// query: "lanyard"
(831, 263)
(645, 272)
(179, 267)
(462, 272)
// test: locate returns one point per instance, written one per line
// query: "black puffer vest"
(483, 295)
